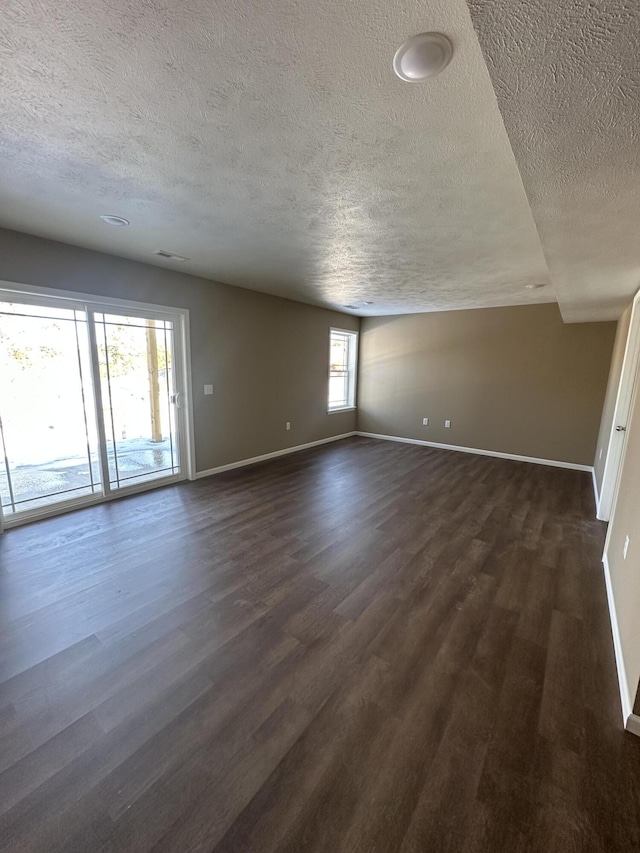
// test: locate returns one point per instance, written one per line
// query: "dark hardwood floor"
(364, 647)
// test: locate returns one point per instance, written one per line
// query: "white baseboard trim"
(629, 720)
(596, 493)
(553, 462)
(284, 452)
(633, 724)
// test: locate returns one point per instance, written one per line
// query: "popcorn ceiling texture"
(567, 78)
(272, 145)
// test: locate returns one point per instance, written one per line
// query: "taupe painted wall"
(608, 410)
(516, 380)
(267, 358)
(625, 574)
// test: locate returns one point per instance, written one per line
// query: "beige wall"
(266, 357)
(516, 380)
(608, 410)
(625, 574)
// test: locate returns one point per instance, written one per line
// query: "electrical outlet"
(288, 425)
(208, 389)
(425, 422)
(625, 549)
(447, 424)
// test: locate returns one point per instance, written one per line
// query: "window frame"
(352, 370)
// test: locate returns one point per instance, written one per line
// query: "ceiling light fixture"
(368, 303)
(351, 307)
(422, 56)
(534, 286)
(114, 220)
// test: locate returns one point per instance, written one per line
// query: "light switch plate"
(208, 389)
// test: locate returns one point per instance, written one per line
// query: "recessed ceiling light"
(114, 220)
(534, 286)
(351, 307)
(422, 56)
(368, 303)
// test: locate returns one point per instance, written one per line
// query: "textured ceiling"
(567, 78)
(271, 144)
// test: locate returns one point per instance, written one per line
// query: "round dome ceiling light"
(422, 56)
(115, 220)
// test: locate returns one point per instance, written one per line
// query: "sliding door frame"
(92, 304)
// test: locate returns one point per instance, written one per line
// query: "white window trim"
(34, 294)
(356, 338)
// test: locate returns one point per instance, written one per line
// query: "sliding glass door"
(90, 402)
(135, 361)
(47, 418)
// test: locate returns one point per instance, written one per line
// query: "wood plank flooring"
(364, 647)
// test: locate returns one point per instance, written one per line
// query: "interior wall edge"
(626, 702)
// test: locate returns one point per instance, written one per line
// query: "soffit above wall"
(272, 145)
(567, 79)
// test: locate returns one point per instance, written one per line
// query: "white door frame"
(32, 294)
(622, 410)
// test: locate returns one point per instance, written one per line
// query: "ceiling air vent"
(169, 256)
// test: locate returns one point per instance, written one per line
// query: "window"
(343, 353)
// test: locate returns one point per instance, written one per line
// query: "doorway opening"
(617, 439)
